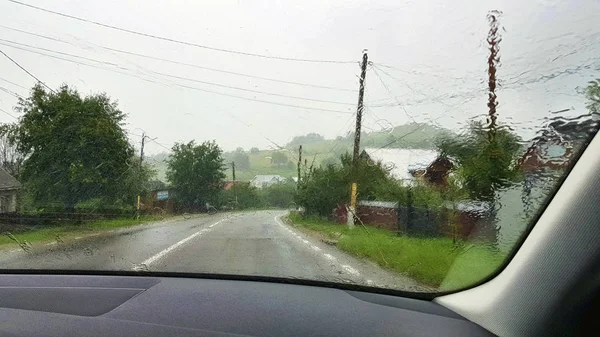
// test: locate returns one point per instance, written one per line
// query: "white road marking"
(329, 257)
(77, 237)
(350, 270)
(166, 251)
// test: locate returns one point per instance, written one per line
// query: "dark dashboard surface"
(86, 305)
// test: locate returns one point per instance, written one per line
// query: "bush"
(324, 187)
(278, 195)
(247, 197)
(103, 206)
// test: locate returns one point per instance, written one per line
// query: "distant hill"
(319, 150)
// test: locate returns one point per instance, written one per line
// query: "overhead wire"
(181, 85)
(8, 113)
(162, 38)
(25, 70)
(187, 64)
(13, 83)
(179, 77)
(12, 93)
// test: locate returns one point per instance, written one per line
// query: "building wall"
(8, 201)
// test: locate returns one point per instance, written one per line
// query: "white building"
(260, 181)
(402, 163)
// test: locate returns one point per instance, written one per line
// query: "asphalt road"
(249, 243)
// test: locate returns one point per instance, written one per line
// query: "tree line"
(72, 154)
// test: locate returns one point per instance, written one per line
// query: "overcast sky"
(431, 56)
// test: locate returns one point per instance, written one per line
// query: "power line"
(189, 64)
(159, 144)
(10, 92)
(8, 113)
(183, 86)
(175, 40)
(164, 74)
(25, 70)
(391, 94)
(13, 83)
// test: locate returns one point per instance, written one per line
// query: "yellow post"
(353, 196)
(352, 208)
(138, 203)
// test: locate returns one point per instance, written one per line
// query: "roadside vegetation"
(435, 262)
(55, 233)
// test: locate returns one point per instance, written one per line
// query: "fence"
(423, 221)
(13, 220)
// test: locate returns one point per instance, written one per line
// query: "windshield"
(398, 145)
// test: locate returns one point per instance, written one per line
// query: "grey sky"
(435, 49)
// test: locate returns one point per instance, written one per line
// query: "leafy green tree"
(279, 158)
(306, 139)
(279, 195)
(241, 159)
(197, 173)
(247, 196)
(76, 148)
(592, 93)
(485, 163)
(254, 150)
(324, 187)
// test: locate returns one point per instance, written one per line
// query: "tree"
(11, 159)
(278, 158)
(247, 196)
(254, 150)
(592, 93)
(485, 164)
(280, 195)
(241, 159)
(308, 138)
(197, 173)
(76, 148)
(323, 188)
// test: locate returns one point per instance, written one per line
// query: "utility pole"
(359, 108)
(357, 130)
(142, 149)
(139, 204)
(299, 165)
(233, 186)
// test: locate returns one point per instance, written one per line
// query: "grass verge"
(66, 231)
(434, 262)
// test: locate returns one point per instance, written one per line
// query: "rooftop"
(8, 182)
(400, 162)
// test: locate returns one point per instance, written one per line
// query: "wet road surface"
(248, 243)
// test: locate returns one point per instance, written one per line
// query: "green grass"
(70, 230)
(435, 262)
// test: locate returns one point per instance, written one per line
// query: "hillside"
(319, 150)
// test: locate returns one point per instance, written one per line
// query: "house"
(410, 165)
(260, 181)
(545, 161)
(9, 189)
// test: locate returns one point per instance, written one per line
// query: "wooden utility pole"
(139, 201)
(299, 165)
(234, 183)
(142, 149)
(357, 130)
(359, 108)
